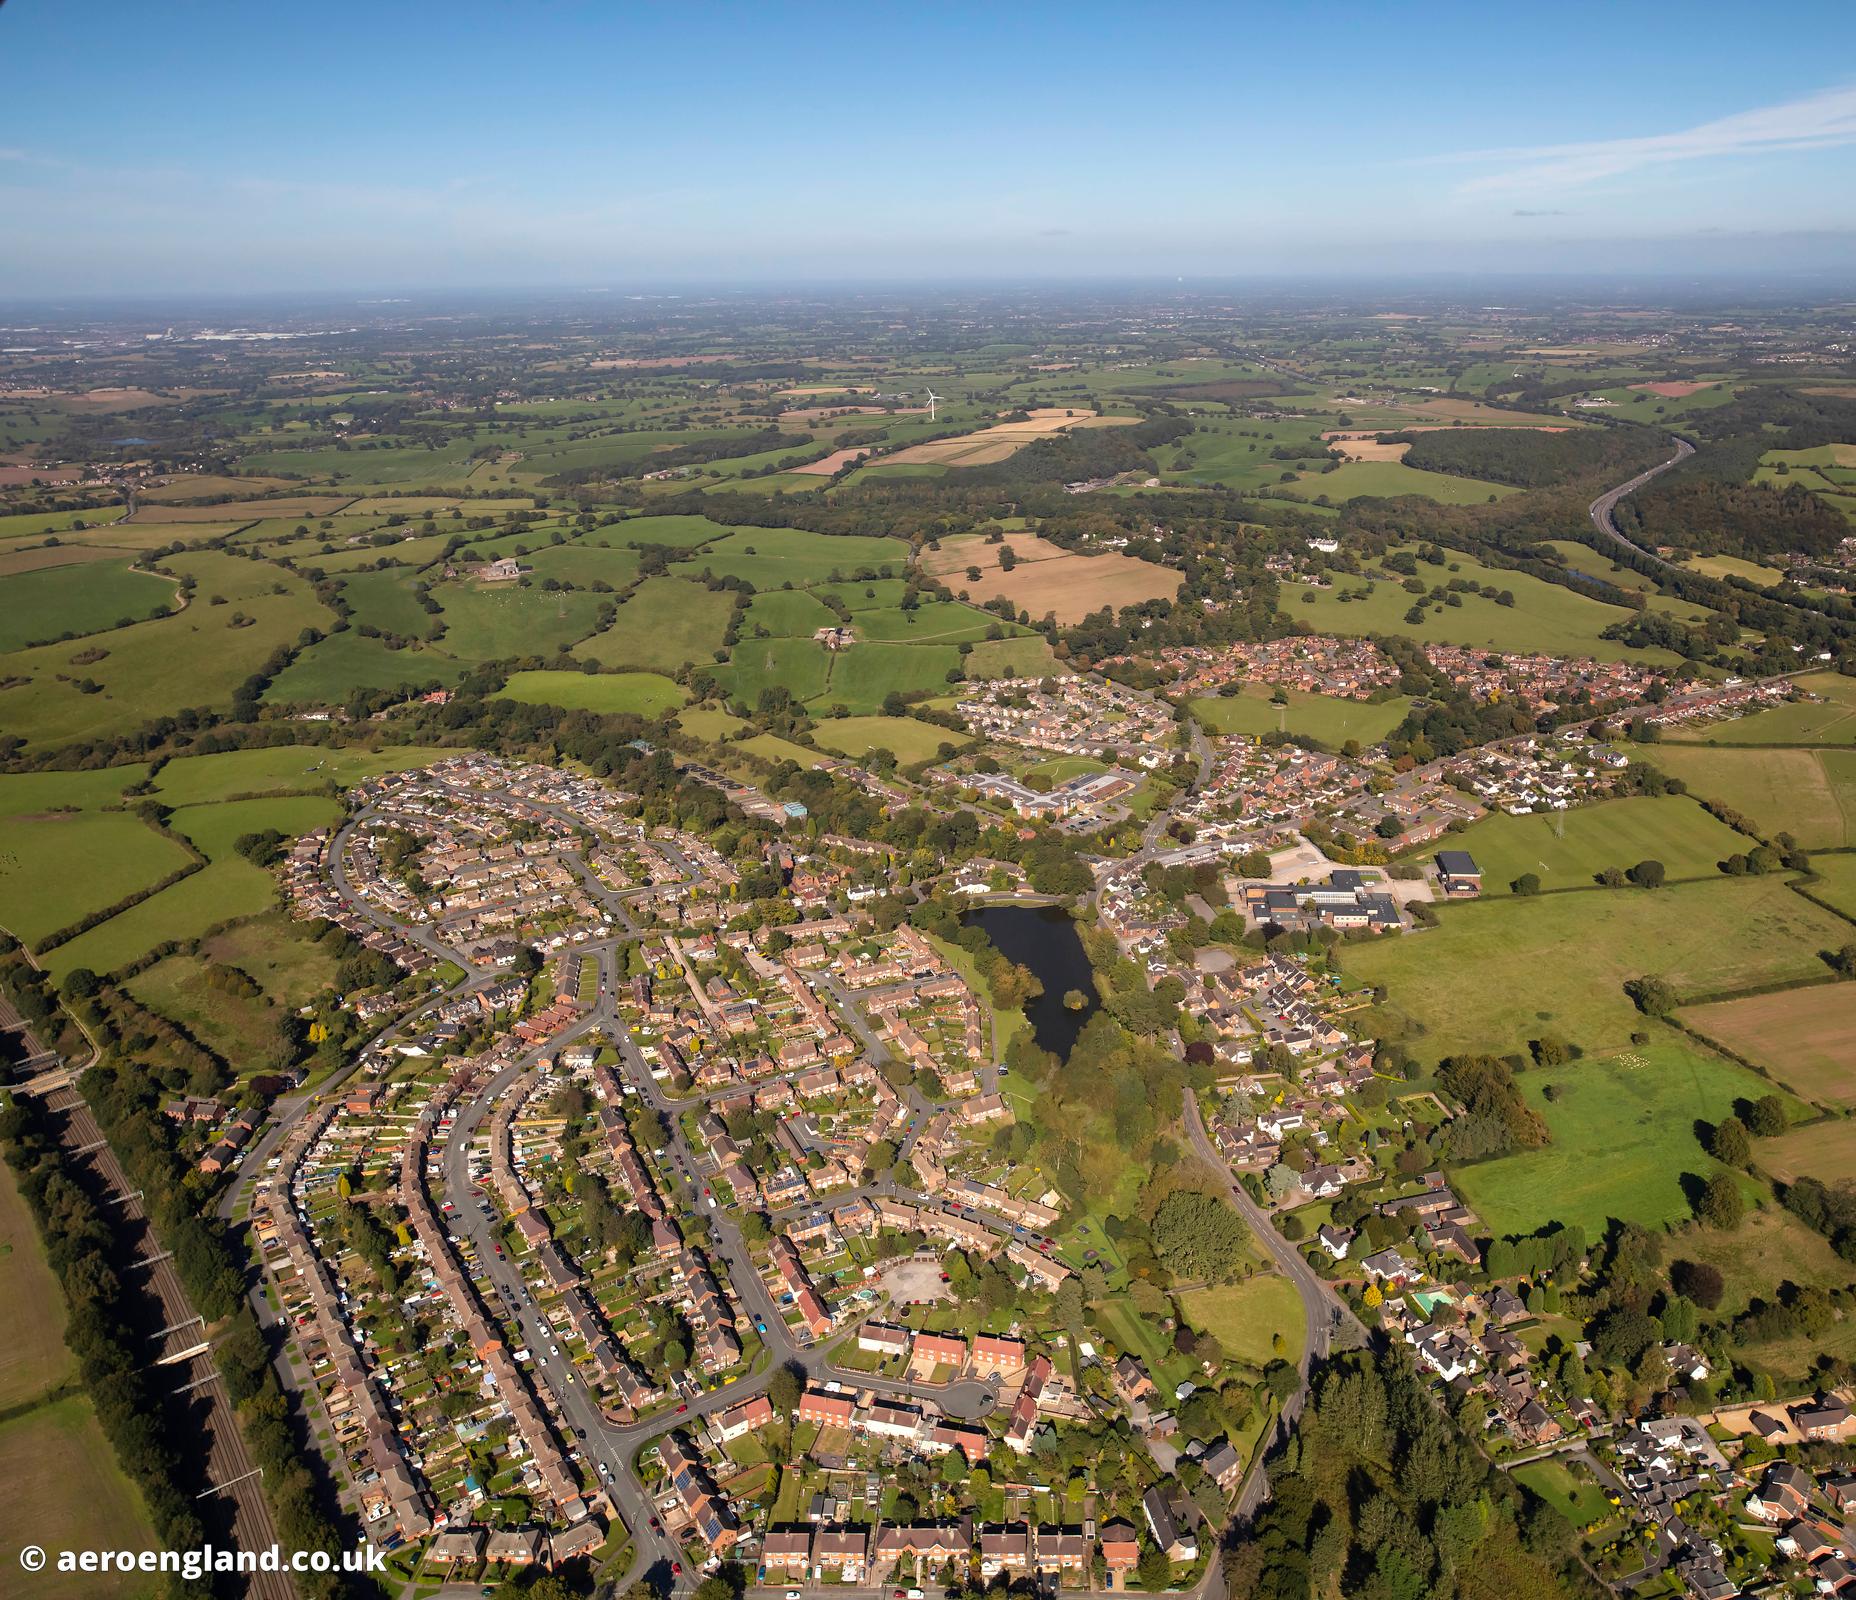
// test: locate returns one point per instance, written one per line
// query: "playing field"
(1048, 580)
(643, 694)
(665, 623)
(1319, 716)
(1568, 849)
(1806, 1038)
(907, 739)
(1810, 794)
(1623, 1126)
(1830, 720)
(1496, 973)
(66, 1492)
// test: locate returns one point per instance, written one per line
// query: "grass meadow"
(1810, 794)
(644, 694)
(1568, 849)
(1333, 721)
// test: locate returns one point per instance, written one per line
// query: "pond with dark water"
(1044, 939)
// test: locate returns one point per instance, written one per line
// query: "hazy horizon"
(349, 151)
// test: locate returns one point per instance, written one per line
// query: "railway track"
(230, 1466)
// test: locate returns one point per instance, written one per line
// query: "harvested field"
(19, 477)
(1806, 1038)
(1369, 449)
(192, 486)
(1824, 1150)
(1672, 391)
(1001, 440)
(1048, 579)
(827, 465)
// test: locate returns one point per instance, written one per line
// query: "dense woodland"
(1534, 458)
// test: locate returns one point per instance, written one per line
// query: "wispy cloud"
(1817, 122)
(1548, 213)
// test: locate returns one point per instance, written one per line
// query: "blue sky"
(205, 146)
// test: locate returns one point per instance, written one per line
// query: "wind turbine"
(932, 398)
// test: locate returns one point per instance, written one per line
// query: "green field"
(66, 1492)
(1810, 794)
(1319, 716)
(1496, 973)
(700, 722)
(499, 622)
(303, 768)
(24, 793)
(787, 614)
(229, 886)
(1623, 1128)
(1836, 885)
(1733, 567)
(769, 557)
(1576, 1497)
(1386, 479)
(33, 1357)
(385, 600)
(327, 673)
(1025, 657)
(1545, 617)
(643, 694)
(1243, 1317)
(55, 601)
(663, 624)
(56, 869)
(193, 657)
(906, 738)
(1568, 849)
(861, 678)
(1828, 721)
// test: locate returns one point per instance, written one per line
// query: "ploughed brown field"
(1047, 579)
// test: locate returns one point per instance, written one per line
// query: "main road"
(1606, 503)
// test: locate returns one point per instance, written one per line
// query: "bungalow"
(880, 1338)
(1388, 1266)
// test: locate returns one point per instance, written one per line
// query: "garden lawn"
(644, 694)
(1576, 1498)
(1624, 1143)
(1568, 849)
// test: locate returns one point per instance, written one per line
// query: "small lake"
(1044, 939)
